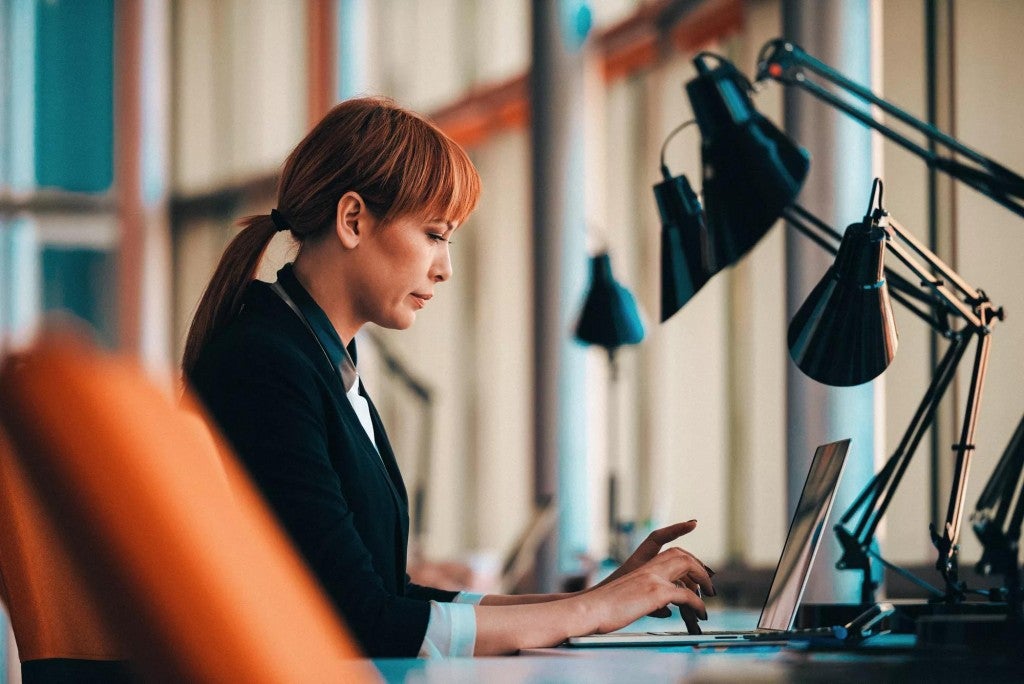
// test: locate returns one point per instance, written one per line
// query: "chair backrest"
(186, 562)
(52, 613)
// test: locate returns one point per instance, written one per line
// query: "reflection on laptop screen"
(801, 544)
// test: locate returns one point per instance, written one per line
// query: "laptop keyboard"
(836, 632)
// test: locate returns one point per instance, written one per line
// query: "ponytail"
(223, 296)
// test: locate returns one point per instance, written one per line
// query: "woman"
(373, 195)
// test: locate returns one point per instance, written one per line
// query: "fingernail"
(692, 521)
(713, 591)
(705, 614)
(711, 573)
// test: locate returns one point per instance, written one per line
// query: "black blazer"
(269, 387)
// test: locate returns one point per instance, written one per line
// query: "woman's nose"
(443, 266)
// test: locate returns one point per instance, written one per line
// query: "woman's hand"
(650, 548)
(673, 576)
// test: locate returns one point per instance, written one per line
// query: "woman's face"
(401, 265)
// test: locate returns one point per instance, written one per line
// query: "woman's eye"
(437, 237)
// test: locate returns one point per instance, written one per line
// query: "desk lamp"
(610, 319)
(786, 63)
(844, 334)
(686, 260)
(719, 94)
(751, 172)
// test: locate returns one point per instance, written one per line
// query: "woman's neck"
(324, 286)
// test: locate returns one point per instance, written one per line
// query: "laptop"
(789, 581)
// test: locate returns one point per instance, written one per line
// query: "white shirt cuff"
(451, 631)
(468, 597)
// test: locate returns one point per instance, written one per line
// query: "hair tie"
(279, 220)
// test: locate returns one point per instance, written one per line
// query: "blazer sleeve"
(428, 593)
(267, 403)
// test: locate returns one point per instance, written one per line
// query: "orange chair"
(52, 613)
(185, 562)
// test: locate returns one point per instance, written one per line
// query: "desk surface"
(760, 664)
(882, 659)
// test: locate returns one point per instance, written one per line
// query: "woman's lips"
(421, 299)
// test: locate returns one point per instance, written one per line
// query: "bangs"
(436, 179)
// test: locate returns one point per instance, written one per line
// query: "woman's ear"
(351, 220)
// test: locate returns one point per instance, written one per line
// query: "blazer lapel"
(385, 461)
(387, 454)
(387, 457)
(313, 315)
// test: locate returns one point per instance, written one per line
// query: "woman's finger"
(691, 600)
(674, 563)
(690, 619)
(698, 573)
(700, 577)
(664, 535)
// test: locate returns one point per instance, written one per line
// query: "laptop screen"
(804, 536)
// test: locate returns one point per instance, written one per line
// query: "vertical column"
(559, 226)
(127, 170)
(155, 336)
(19, 260)
(321, 25)
(141, 102)
(353, 30)
(941, 93)
(839, 32)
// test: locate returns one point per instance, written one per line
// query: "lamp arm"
(819, 232)
(980, 315)
(786, 63)
(906, 574)
(936, 285)
(783, 61)
(943, 274)
(935, 321)
(901, 289)
(947, 542)
(936, 264)
(875, 499)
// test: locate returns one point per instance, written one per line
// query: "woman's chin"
(403, 322)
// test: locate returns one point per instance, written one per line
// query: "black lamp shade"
(844, 333)
(610, 317)
(752, 171)
(686, 263)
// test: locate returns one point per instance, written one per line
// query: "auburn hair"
(399, 163)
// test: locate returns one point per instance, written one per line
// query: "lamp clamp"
(778, 60)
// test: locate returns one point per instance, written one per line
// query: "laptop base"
(776, 638)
